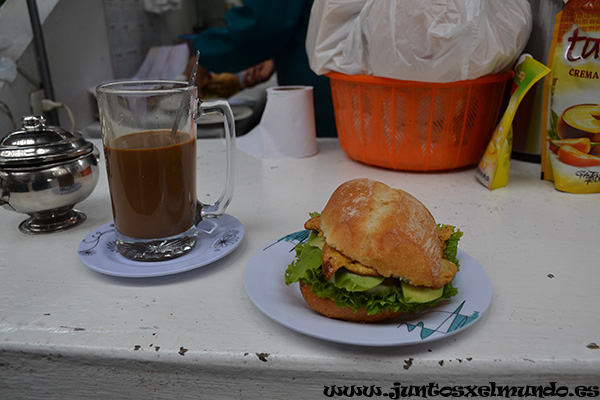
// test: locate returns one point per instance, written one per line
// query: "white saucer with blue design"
(265, 284)
(216, 239)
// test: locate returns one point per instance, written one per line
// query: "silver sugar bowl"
(44, 172)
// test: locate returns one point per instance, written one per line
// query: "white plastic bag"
(417, 40)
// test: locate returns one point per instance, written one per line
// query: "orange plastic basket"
(416, 126)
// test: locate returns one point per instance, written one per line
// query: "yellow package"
(493, 169)
(571, 108)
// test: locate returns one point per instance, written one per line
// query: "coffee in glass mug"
(149, 139)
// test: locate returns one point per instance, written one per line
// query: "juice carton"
(571, 108)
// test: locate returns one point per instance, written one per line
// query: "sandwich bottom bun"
(328, 308)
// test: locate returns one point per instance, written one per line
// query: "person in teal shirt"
(262, 30)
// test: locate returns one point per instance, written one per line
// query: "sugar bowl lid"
(37, 144)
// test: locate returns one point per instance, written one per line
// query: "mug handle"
(217, 209)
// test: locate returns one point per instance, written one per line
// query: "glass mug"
(149, 138)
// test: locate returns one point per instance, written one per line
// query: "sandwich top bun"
(388, 230)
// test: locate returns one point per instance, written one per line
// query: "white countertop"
(69, 332)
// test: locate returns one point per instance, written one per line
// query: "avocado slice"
(419, 294)
(352, 282)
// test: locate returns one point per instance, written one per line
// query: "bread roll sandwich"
(374, 253)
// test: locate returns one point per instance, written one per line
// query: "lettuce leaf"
(451, 249)
(308, 257)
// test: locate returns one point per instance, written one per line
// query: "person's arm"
(258, 73)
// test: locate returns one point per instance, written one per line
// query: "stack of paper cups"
(287, 127)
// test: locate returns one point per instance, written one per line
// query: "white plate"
(239, 113)
(265, 285)
(216, 239)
